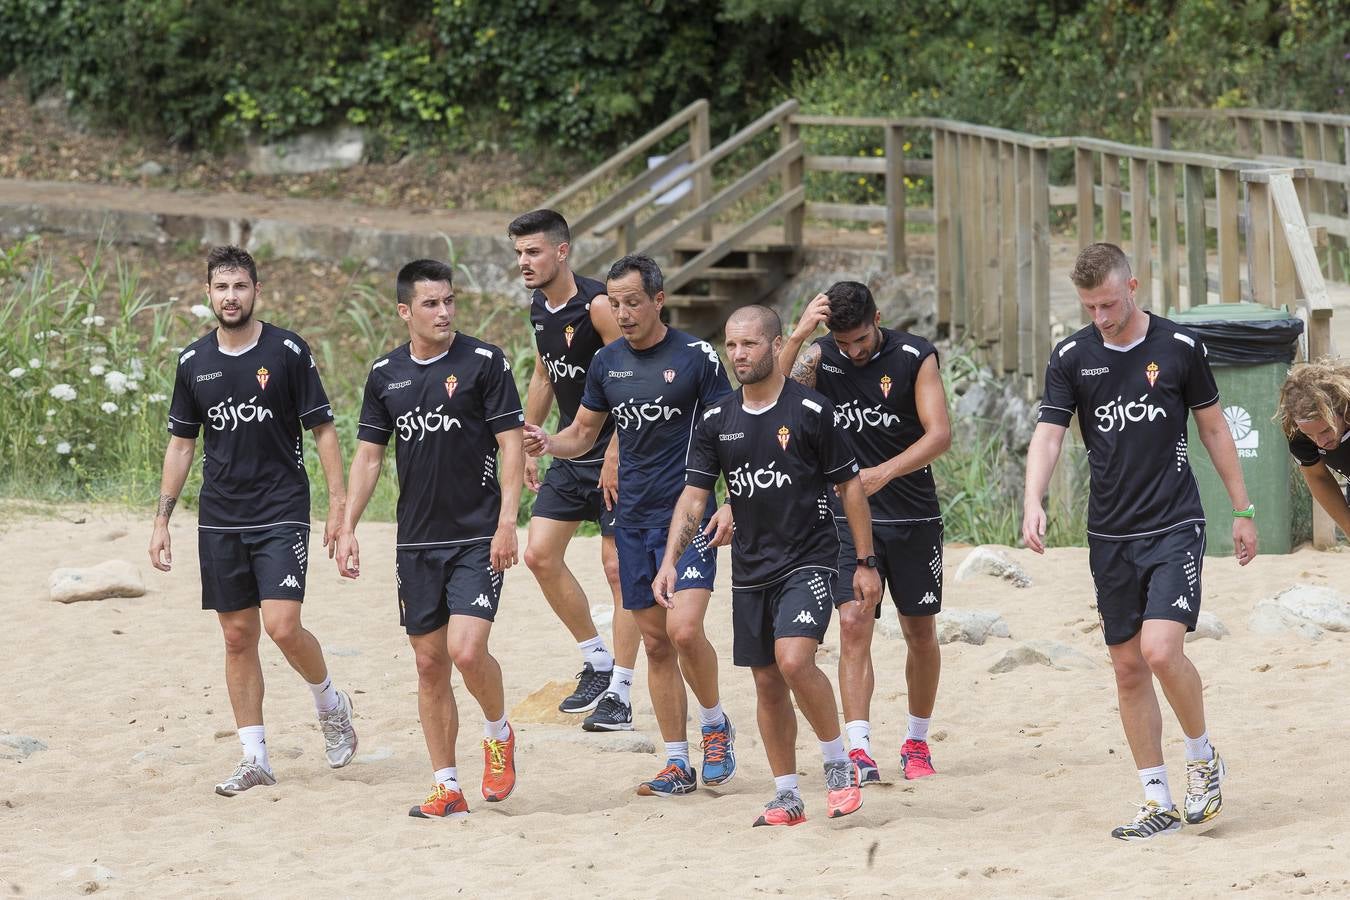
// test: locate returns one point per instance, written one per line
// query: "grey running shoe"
(786, 808)
(1151, 821)
(1203, 777)
(339, 737)
(611, 715)
(246, 775)
(590, 685)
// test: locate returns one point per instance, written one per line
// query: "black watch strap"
(868, 562)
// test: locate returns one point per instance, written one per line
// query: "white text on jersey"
(561, 369)
(227, 412)
(851, 415)
(1114, 414)
(420, 423)
(631, 413)
(744, 480)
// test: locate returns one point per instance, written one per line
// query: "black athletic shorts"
(909, 560)
(797, 606)
(1147, 578)
(571, 493)
(240, 569)
(435, 583)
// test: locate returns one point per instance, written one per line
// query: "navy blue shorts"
(240, 569)
(435, 583)
(640, 553)
(571, 493)
(1155, 577)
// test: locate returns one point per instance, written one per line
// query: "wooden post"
(990, 283)
(1111, 199)
(1040, 256)
(1197, 278)
(944, 173)
(967, 282)
(1084, 176)
(1028, 349)
(1259, 247)
(1230, 258)
(1167, 237)
(1141, 227)
(1007, 255)
(1270, 138)
(895, 199)
(1162, 131)
(1246, 139)
(793, 177)
(1334, 197)
(700, 143)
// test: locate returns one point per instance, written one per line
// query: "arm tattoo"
(804, 369)
(688, 529)
(166, 505)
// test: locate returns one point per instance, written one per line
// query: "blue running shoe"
(675, 779)
(719, 752)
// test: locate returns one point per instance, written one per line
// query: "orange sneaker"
(786, 808)
(843, 795)
(442, 804)
(499, 767)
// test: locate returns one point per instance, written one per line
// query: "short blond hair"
(1095, 263)
(1314, 390)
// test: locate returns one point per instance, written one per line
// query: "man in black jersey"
(779, 447)
(1132, 376)
(655, 384)
(449, 403)
(571, 319)
(254, 387)
(1315, 415)
(889, 399)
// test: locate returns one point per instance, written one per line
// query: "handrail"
(1173, 157)
(629, 153)
(709, 257)
(704, 163)
(1275, 115)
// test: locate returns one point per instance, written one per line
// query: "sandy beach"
(129, 698)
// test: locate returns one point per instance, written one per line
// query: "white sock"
(918, 728)
(325, 695)
(254, 742)
(596, 653)
(449, 776)
(711, 715)
(786, 783)
(1155, 785)
(834, 751)
(678, 750)
(621, 683)
(859, 735)
(496, 731)
(1199, 747)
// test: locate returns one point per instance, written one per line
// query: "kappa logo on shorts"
(691, 572)
(1180, 603)
(805, 618)
(482, 600)
(928, 598)
(289, 581)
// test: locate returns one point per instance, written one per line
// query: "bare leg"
(243, 670)
(1139, 712)
(777, 720)
(467, 639)
(544, 555)
(281, 618)
(923, 663)
(435, 699)
(796, 658)
(1162, 644)
(698, 659)
(663, 674)
(857, 680)
(626, 634)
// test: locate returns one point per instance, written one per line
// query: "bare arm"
(1218, 440)
(361, 480)
(539, 395)
(1042, 455)
(931, 400)
(1327, 492)
(817, 313)
(569, 443)
(330, 457)
(866, 580)
(602, 318)
(177, 463)
(504, 549)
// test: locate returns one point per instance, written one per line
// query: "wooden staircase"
(747, 273)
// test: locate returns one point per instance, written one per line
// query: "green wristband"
(1248, 513)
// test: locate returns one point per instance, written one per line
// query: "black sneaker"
(611, 715)
(590, 685)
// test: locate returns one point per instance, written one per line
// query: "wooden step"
(692, 246)
(689, 301)
(732, 274)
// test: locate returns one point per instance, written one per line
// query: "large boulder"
(317, 151)
(114, 578)
(1272, 619)
(970, 626)
(985, 560)
(1208, 626)
(1322, 606)
(541, 707)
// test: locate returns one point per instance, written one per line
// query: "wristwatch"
(1248, 513)
(868, 562)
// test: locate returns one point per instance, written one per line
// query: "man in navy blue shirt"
(656, 383)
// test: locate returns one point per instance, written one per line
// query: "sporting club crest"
(568, 333)
(451, 382)
(784, 436)
(1151, 373)
(886, 386)
(263, 375)
(668, 375)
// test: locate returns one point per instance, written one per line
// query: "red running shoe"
(916, 759)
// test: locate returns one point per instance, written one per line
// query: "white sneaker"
(246, 775)
(1151, 821)
(1203, 799)
(339, 737)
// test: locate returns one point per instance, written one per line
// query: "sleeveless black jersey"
(567, 342)
(780, 462)
(1307, 453)
(1132, 406)
(251, 407)
(874, 405)
(444, 415)
(655, 396)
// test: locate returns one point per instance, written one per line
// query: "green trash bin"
(1250, 347)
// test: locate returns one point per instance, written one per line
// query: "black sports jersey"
(252, 405)
(1308, 453)
(656, 397)
(779, 462)
(875, 406)
(444, 415)
(1132, 407)
(567, 342)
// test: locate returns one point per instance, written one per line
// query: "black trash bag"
(1249, 343)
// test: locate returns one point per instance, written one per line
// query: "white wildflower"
(91, 446)
(108, 407)
(34, 363)
(97, 370)
(50, 413)
(62, 392)
(96, 321)
(133, 385)
(41, 440)
(116, 382)
(200, 310)
(63, 448)
(156, 398)
(17, 372)
(137, 369)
